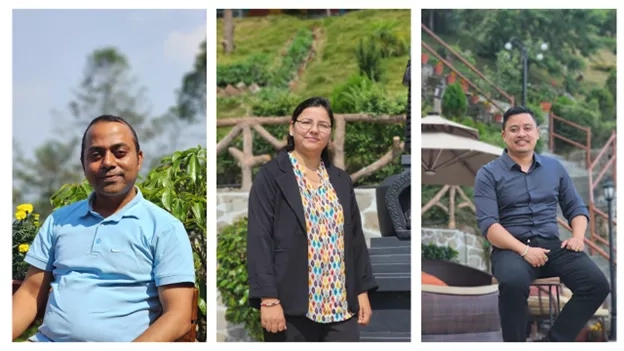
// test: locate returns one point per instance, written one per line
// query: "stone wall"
(469, 246)
(232, 205)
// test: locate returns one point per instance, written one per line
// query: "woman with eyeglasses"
(307, 260)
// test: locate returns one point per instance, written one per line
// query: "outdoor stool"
(547, 282)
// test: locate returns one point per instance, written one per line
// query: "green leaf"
(166, 198)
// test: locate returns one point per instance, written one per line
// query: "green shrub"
(365, 142)
(435, 252)
(390, 44)
(369, 55)
(296, 55)
(605, 102)
(255, 69)
(274, 102)
(232, 278)
(454, 103)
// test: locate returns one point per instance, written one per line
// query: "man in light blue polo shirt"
(119, 267)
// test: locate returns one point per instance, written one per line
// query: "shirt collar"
(126, 211)
(509, 163)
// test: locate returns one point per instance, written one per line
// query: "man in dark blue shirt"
(516, 198)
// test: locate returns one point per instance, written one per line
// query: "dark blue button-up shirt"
(525, 204)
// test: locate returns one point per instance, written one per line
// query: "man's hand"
(536, 256)
(573, 244)
(365, 313)
(272, 317)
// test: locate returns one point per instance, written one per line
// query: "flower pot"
(474, 98)
(498, 118)
(451, 78)
(464, 85)
(439, 67)
(424, 58)
(546, 106)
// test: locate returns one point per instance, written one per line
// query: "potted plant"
(451, 78)
(546, 106)
(439, 67)
(424, 58)
(464, 85)
(498, 118)
(474, 98)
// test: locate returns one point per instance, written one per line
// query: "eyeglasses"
(307, 124)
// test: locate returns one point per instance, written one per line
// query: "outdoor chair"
(190, 336)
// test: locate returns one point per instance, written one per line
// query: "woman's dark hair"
(312, 102)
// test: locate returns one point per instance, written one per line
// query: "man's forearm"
(168, 328)
(579, 226)
(498, 236)
(24, 312)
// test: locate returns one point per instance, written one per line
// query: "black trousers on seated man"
(576, 270)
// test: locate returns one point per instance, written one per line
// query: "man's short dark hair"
(108, 118)
(516, 110)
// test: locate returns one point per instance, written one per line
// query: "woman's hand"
(366, 312)
(272, 317)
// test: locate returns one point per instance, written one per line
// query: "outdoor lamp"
(609, 189)
(508, 45)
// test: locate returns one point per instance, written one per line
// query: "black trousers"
(576, 270)
(303, 329)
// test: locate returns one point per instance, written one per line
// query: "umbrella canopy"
(436, 123)
(452, 153)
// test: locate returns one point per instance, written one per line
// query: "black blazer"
(277, 242)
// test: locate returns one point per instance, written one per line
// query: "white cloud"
(183, 46)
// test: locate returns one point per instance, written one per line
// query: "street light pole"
(524, 52)
(609, 193)
(525, 74)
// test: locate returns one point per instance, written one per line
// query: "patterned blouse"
(324, 219)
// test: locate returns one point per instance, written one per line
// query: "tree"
(192, 95)
(54, 165)
(228, 31)
(108, 87)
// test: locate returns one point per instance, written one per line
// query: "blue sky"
(50, 48)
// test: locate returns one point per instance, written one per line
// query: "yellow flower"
(23, 248)
(20, 215)
(28, 208)
(36, 217)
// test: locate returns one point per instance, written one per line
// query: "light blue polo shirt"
(107, 270)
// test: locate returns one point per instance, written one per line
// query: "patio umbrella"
(452, 153)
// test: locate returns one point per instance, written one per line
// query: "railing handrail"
(592, 184)
(247, 125)
(465, 62)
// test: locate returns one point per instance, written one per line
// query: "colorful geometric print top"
(324, 220)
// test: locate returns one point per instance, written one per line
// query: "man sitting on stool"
(516, 199)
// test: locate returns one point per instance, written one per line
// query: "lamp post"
(525, 62)
(609, 194)
(437, 99)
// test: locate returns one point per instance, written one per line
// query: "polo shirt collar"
(126, 211)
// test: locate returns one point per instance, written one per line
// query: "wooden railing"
(247, 160)
(594, 212)
(487, 96)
